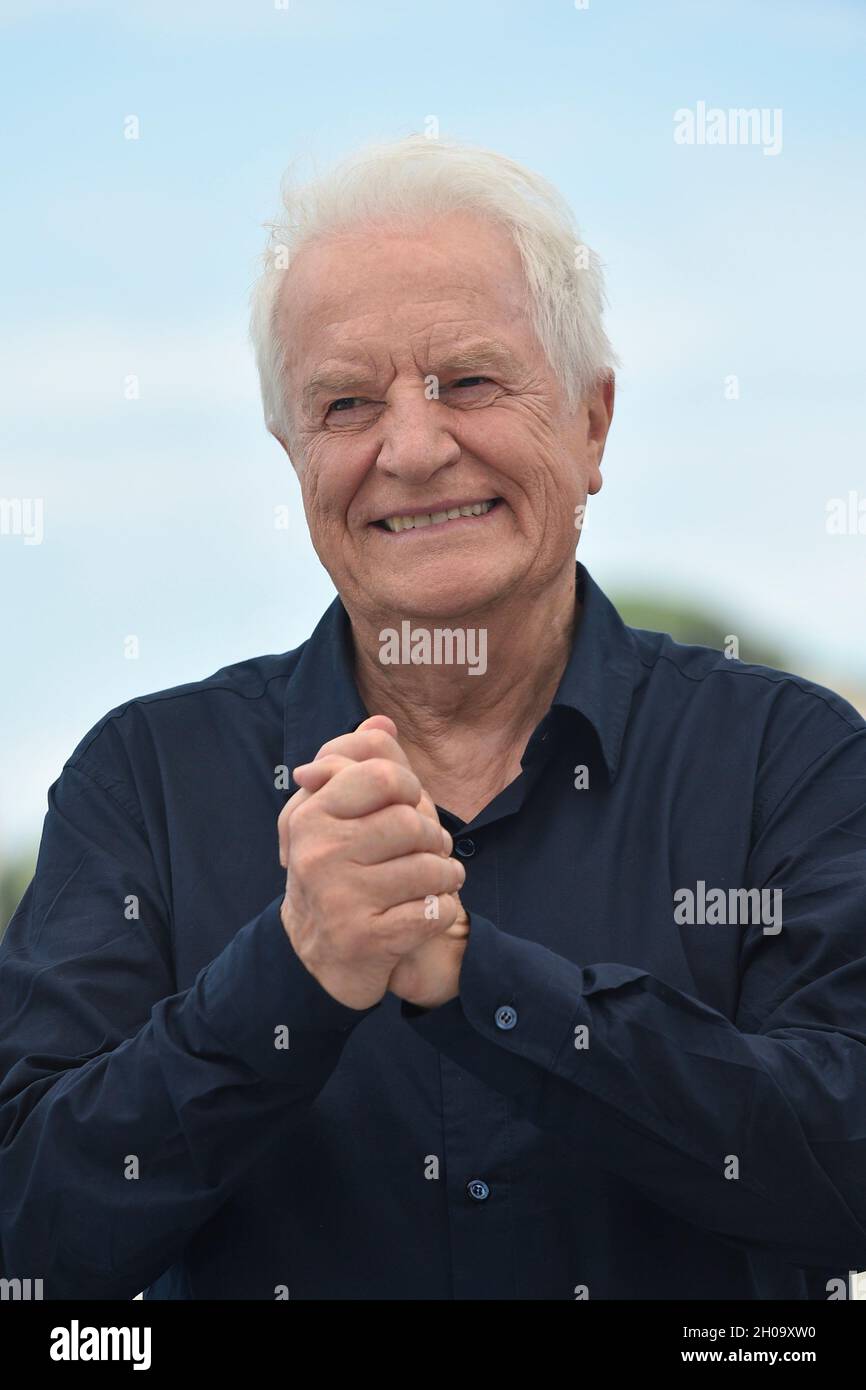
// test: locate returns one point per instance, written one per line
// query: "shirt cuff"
(517, 1006)
(262, 1001)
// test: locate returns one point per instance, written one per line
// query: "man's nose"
(417, 441)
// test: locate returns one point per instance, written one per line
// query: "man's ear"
(599, 414)
(600, 411)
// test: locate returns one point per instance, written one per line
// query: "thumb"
(378, 721)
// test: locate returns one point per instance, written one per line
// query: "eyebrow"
(478, 352)
(463, 358)
(333, 382)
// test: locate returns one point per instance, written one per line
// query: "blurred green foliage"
(692, 624)
(15, 874)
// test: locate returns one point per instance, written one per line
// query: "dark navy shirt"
(652, 1085)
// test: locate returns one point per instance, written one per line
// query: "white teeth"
(409, 523)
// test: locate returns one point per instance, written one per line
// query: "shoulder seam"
(746, 669)
(158, 697)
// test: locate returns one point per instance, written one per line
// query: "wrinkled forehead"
(458, 266)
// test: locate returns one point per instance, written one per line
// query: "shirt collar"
(323, 700)
(601, 673)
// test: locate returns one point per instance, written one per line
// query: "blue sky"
(136, 257)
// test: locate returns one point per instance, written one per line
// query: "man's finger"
(362, 744)
(356, 789)
(311, 777)
(378, 721)
(394, 832)
(414, 878)
(319, 774)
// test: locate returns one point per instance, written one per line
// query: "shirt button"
(465, 848)
(478, 1190)
(506, 1017)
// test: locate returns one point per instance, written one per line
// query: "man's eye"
(472, 380)
(344, 403)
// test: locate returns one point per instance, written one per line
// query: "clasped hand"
(372, 895)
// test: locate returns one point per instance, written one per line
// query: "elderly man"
(374, 970)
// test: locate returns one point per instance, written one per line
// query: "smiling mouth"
(418, 520)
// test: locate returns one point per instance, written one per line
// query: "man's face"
(417, 386)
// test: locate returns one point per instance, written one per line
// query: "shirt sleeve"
(129, 1110)
(752, 1127)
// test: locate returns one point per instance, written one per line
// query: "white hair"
(417, 177)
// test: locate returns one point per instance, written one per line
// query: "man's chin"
(438, 598)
